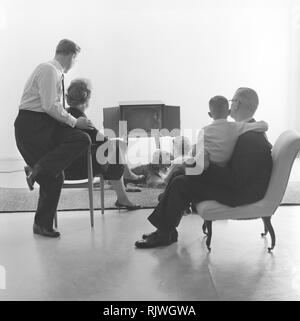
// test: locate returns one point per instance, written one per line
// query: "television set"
(142, 115)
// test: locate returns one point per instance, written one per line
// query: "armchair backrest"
(284, 153)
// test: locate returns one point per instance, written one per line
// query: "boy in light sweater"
(215, 142)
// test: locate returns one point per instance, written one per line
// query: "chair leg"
(268, 224)
(91, 186)
(102, 193)
(91, 202)
(265, 229)
(55, 220)
(204, 228)
(209, 234)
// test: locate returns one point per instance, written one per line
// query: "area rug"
(22, 200)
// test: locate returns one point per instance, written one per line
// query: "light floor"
(103, 264)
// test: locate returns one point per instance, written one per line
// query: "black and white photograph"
(149, 156)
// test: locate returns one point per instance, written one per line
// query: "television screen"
(142, 117)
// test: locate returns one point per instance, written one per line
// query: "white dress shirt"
(43, 91)
(217, 141)
(221, 136)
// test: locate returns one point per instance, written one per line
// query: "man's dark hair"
(66, 47)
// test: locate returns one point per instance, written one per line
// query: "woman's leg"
(114, 174)
(128, 174)
(119, 188)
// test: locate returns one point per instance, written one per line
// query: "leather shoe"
(146, 235)
(155, 240)
(174, 235)
(45, 232)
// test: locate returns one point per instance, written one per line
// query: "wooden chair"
(284, 153)
(90, 185)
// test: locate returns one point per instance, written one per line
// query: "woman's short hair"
(66, 47)
(78, 92)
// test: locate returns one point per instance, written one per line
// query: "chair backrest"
(284, 153)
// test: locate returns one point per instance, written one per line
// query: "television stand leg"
(157, 141)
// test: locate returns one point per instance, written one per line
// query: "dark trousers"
(180, 191)
(54, 146)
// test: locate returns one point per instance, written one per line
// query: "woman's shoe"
(127, 207)
(139, 180)
(132, 189)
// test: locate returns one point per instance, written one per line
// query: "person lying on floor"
(161, 160)
(78, 97)
(155, 170)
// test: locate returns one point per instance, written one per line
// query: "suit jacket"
(246, 177)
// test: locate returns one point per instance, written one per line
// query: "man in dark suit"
(243, 181)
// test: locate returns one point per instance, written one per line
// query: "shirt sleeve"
(50, 97)
(243, 127)
(200, 147)
(198, 159)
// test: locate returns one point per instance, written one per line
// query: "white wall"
(181, 52)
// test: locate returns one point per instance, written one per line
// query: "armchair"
(284, 153)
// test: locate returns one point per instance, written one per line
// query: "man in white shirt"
(221, 136)
(244, 180)
(47, 136)
(216, 141)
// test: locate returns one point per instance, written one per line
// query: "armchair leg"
(265, 229)
(209, 234)
(204, 228)
(268, 224)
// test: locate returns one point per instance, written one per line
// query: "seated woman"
(78, 96)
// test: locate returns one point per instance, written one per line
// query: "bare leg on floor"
(119, 188)
(128, 174)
